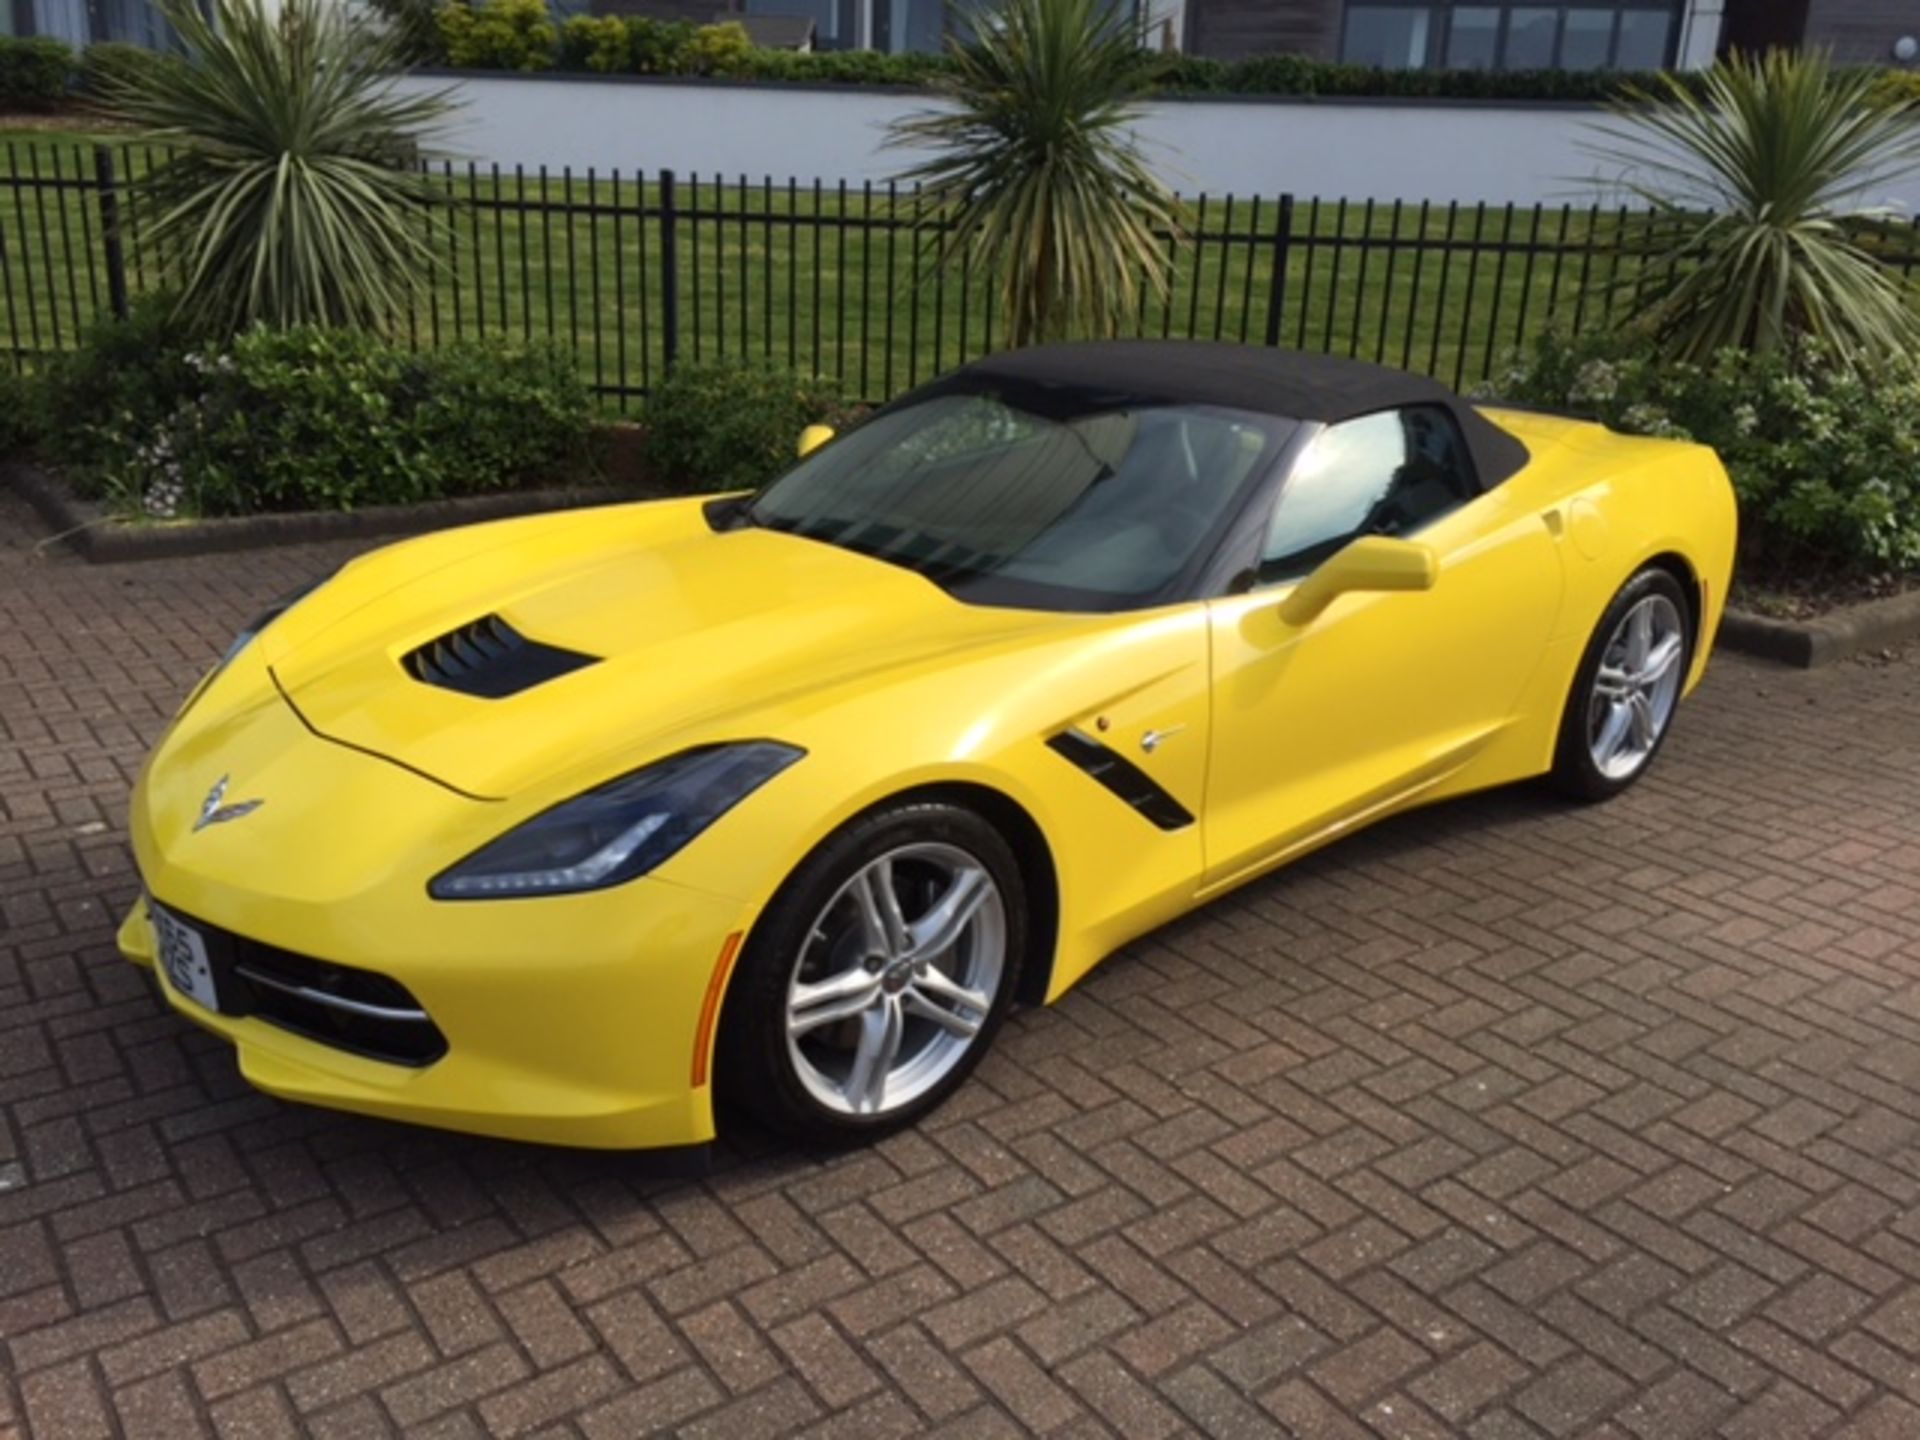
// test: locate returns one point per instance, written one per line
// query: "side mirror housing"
(812, 438)
(1373, 563)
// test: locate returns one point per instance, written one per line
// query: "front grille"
(356, 1010)
(490, 659)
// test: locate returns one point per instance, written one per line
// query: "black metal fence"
(635, 271)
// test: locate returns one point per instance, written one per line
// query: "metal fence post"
(115, 251)
(1277, 276)
(669, 272)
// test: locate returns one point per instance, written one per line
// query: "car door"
(1320, 724)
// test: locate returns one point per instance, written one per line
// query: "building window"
(1586, 39)
(1389, 37)
(1531, 32)
(903, 26)
(1573, 35)
(832, 19)
(1645, 41)
(1473, 37)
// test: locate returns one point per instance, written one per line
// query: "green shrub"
(1182, 74)
(498, 35)
(112, 65)
(596, 42)
(732, 426)
(102, 399)
(641, 45)
(35, 73)
(1275, 75)
(494, 417)
(719, 49)
(843, 67)
(1899, 86)
(659, 47)
(1826, 463)
(19, 405)
(308, 418)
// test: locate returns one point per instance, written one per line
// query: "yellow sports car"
(560, 828)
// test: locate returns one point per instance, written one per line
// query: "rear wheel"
(1627, 689)
(877, 978)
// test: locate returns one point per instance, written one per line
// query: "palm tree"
(292, 194)
(1034, 167)
(1762, 231)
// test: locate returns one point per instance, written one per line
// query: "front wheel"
(876, 980)
(1627, 689)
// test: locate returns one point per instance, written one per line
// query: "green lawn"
(840, 281)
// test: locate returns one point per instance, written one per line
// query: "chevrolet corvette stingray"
(565, 828)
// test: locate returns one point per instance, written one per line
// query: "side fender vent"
(1124, 778)
(490, 659)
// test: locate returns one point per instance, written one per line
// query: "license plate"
(184, 954)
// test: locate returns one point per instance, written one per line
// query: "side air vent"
(1124, 778)
(489, 658)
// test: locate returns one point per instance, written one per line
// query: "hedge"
(38, 73)
(518, 35)
(152, 420)
(732, 425)
(35, 73)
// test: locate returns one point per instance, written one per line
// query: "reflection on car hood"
(691, 632)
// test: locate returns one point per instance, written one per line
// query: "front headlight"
(619, 830)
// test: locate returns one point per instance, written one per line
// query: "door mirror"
(813, 437)
(1371, 563)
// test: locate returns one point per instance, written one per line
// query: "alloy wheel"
(896, 978)
(1636, 687)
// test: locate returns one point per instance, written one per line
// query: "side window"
(1384, 474)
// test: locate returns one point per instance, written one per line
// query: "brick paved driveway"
(1502, 1120)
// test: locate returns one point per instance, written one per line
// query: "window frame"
(1440, 26)
(1474, 489)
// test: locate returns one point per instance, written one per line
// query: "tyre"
(1627, 689)
(877, 978)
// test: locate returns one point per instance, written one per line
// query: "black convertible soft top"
(1291, 383)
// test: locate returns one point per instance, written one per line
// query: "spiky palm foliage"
(1762, 188)
(1032, 162)
(292, 196)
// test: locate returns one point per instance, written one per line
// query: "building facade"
(1856, 32)
(85, 22)
(1483, 34)
(1456, 34)
(1393, 34)
(1453, 34)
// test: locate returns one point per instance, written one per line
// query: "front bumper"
(575, 1020)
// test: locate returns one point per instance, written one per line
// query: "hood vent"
(488, 658)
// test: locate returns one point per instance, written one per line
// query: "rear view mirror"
(1371, 563)
(813, 437)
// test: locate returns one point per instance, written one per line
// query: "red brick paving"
(1502, 1120)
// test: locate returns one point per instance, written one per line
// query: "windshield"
(1095, 506)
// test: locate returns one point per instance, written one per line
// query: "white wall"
(1387, 150)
